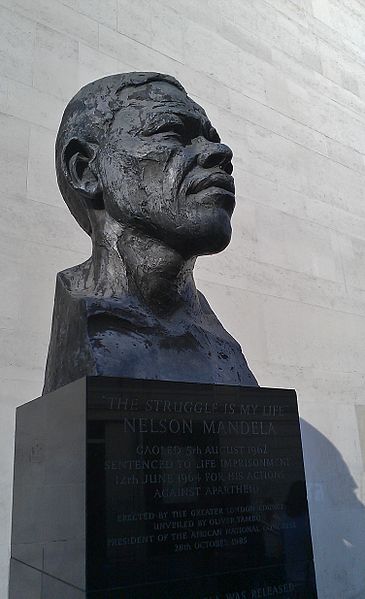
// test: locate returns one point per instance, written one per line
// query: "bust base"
(153, 489)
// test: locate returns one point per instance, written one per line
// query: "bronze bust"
(144, 173)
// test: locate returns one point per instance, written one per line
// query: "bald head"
(135, 154)
(85, 123)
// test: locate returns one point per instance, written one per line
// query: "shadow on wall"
(337, 519)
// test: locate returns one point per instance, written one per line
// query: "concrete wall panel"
(284, 82)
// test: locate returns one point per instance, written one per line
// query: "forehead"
(140, 104)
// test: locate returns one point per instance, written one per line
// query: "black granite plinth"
(131, 489)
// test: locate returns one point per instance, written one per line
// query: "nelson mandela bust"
(145, 174)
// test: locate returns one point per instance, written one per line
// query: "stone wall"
(284, 82)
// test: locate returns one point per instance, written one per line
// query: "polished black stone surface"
(143, 489)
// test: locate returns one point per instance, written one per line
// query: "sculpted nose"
(215, 154)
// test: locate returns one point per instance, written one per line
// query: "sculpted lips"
(221, 180)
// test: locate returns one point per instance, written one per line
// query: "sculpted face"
(164, 171)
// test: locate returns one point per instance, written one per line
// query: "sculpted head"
(135, 147)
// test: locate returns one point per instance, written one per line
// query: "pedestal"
(140, 489)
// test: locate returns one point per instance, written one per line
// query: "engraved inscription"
(211, 483)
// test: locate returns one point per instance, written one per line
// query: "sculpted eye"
(172, 126)
(175, 129)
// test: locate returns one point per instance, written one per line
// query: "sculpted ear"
(79, 167)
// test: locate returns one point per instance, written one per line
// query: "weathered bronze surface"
(145, 174)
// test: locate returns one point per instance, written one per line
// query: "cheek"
(156, 179)
(151, 177)
(120, 177)
(119, 173)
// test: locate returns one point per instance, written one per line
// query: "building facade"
(284, 83)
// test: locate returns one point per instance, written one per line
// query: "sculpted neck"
(128, 262)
